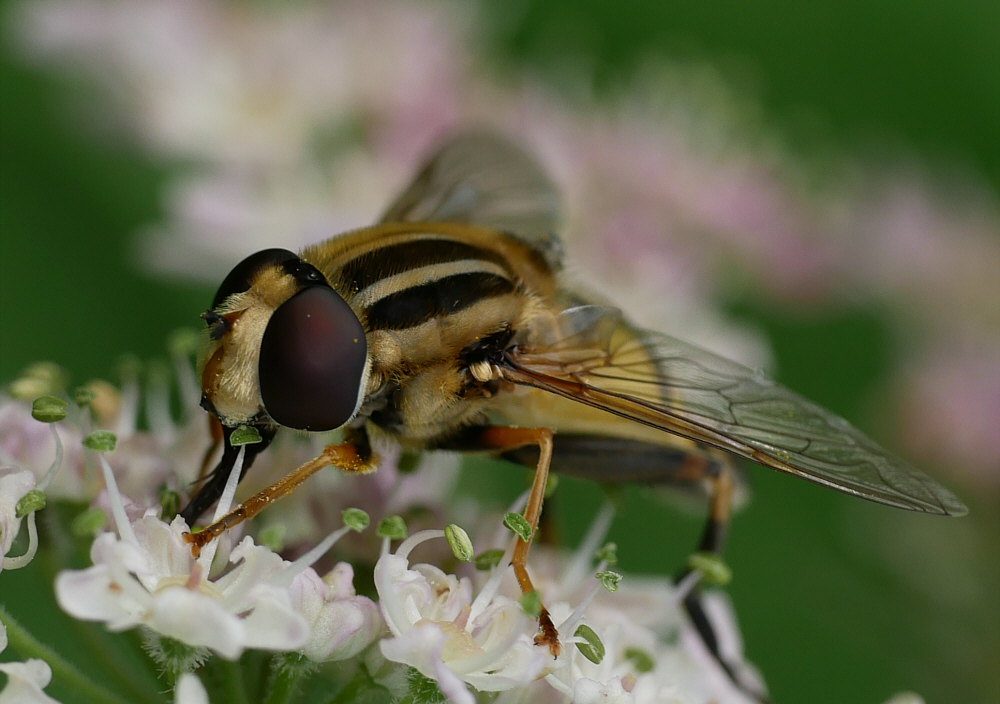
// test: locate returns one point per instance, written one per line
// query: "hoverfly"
(445, 327)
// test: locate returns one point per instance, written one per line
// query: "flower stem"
(28, 646)
(232, 681)
(288, 672)
(283, 687)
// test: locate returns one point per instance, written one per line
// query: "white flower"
(25, 682)
(343, 624)
(147, 576)
(155, 582)
(441, 631)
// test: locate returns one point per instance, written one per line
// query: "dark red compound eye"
(312, 361)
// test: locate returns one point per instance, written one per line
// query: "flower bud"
(458, 540)
(355, 519)
(48, 409)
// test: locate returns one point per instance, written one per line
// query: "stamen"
(184, 343)
(128, 411)
(685, 586)
(491, 587)
(306, 560)
(559, 685)
(117, 507)
(414, 540)
(56, 463)
(158, 403)
(580, 566)
(225, 503)
(573, 620)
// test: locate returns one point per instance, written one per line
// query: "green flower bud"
(592, 648)
(84, 396)
(517, 523)
(101, 441)
(244, 435)
(39, 379)
(712, 568)
(34, 500)
(610, 580)
(608, 554)
(48, 409)
(642, 660)
(391, 527)
(488, 559)
(458, 540)
(355, 519)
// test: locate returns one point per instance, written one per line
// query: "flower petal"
(93, 594)
(190, 690)
(25, 681)
(196, 619)
(421, 647)
(274, 624)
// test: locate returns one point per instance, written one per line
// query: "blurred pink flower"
(297, 122)
(950, 400)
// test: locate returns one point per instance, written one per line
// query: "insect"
(445, 326)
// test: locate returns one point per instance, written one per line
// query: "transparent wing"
(592, 355)
(482, 179)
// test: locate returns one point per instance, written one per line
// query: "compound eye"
(238, 280)
(312, 361)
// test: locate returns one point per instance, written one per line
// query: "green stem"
(28, 646)
(232, 681)
(284, 684)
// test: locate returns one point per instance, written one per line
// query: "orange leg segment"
(344, 456)
(501, 438)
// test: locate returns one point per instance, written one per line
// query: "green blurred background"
(840, 600)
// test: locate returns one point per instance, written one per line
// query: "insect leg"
(502, 438)
(713, 540)
(347, 456)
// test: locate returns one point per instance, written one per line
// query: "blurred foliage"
(840, 600)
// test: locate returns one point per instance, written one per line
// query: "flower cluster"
(455, 629)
